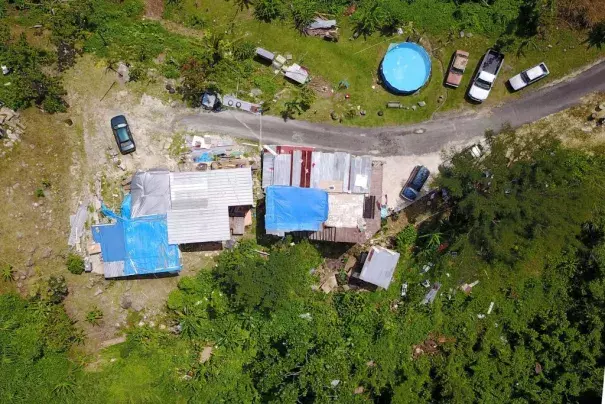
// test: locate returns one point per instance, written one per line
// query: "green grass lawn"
(357, 61)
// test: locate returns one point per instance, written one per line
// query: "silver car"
(528, 76)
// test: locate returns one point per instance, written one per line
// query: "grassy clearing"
(358, 61)
(33, 229)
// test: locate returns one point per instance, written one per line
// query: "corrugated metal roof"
(296, 167)
(379, 267)
(268, 168)
(282, 169)
(150, 193)
(330, 171)
(198, 225)
(211, 189)
(361, 173)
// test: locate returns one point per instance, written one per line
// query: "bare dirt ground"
(154, 9)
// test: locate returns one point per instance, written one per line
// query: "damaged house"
(332, 197)
(166, 209)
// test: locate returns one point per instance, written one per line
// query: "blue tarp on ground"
(142, 243)
(295, 209)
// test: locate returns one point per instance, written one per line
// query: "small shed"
(379, 267)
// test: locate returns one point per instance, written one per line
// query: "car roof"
(116, 120)
(535, 72)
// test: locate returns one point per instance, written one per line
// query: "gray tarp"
(150, 192)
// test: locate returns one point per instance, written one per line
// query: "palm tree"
(434, 240)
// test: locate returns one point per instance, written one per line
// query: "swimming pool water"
(406, 67)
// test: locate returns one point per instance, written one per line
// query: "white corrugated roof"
(198, 225)
(211, 189)
(200, 203)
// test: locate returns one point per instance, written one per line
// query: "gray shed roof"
(379, 267)
(150, 191)
(198, 225)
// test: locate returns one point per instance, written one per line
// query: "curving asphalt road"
(422, 138)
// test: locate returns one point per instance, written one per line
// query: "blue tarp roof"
(142, 243)
(295, 209)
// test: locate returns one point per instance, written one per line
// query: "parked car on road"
(456, 70)
(413, 187)
(486, 76)
(122, 134)
(528, 77)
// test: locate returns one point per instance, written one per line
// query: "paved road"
(404, 140)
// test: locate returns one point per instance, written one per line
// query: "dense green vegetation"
(524, 221)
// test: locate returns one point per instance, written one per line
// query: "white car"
(528, 76)
(482, 86)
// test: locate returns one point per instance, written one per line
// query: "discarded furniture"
(297, 73)
(234, 102)
(265, 54)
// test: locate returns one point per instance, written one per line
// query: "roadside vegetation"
(524, 221)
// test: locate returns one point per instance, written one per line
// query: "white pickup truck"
(486, 75)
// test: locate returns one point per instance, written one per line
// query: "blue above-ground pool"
(405, 68)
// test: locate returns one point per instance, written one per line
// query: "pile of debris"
(430, 346)
(11, 128)
(298, 74)
(322, 28)
(213, 152)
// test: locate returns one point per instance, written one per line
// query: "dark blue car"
(411, 191)
(121, 131)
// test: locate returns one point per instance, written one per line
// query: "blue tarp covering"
(111, 238)
(295, 209)
(142, 243)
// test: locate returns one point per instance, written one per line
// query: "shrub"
(56, 289)
(244, 50)
(8, 274)
(406, 238)
(269, 10)
(75, 264)
(94, 316)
